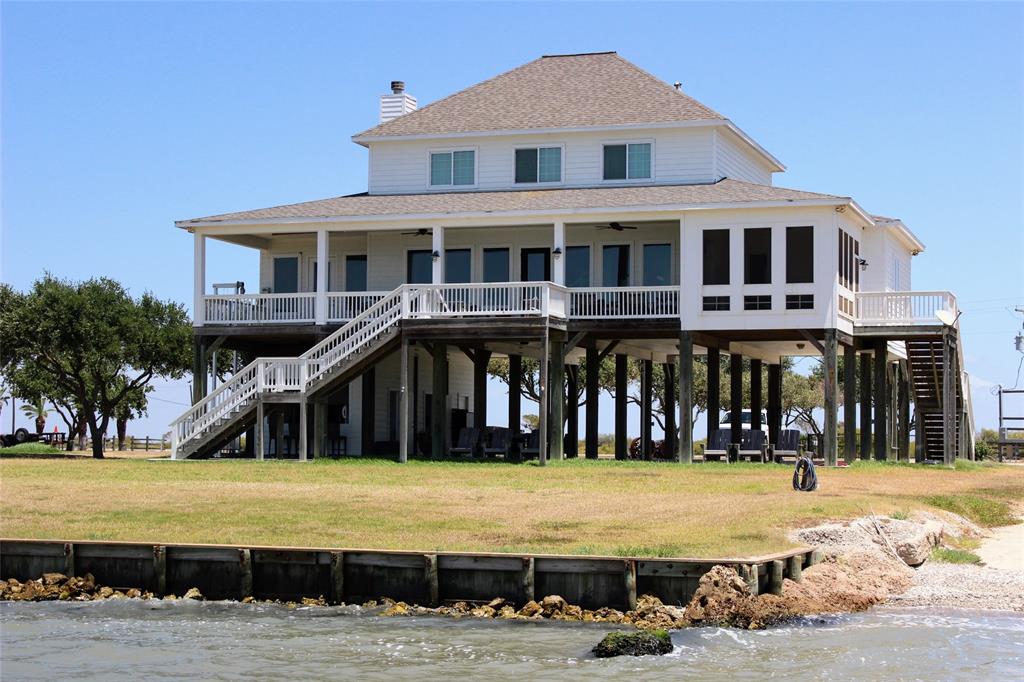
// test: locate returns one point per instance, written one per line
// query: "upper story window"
(849, 261)
(799, 255)
(716, 257)
(627, 161)
(757, 255)
(539, 164)
(456, 167)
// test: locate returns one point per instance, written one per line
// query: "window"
(355, 273)
(615, 265)
(419, 267)
(657, 265)
(286, 274)
(496, 265)
(453, 168)
(457, 266)
(627, 161)
(716, 256)
(849, 261)
(757, 255)
(799, 301)
(799, 255)
(716, 303)
(577, 266)
(757, 302)
(542, 164)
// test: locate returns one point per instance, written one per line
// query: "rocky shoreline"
(867, 562)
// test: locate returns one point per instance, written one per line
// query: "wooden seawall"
(359, 575)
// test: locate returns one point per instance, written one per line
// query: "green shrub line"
(955, 556)
(983, 511)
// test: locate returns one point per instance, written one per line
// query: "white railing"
(487, 299)
(283, 374)
(624, 302)
(343, 306)
(221, 401)
(259, 308)
(881, 308)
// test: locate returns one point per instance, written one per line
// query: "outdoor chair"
(753, 445)
(498, 441)
(467, 441)
(788, 447)
(531, 448)
(717, 447)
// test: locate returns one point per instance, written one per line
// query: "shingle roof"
(364, 205)
(558, 91)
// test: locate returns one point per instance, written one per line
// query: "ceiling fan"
(618, 227)
(422, 232)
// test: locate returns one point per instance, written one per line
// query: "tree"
(134, 405)
(92, 343)
(36, 409)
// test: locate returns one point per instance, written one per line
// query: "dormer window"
(453, 167)
(538, 164)
(627, 161)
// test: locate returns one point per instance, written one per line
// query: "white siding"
(683, 155)
(735, 159)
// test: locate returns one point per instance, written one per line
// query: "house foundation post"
(949, 409)
(714, 411)
(920, 444)
(259, 441)
(774, 402)
(669, 401)
(903, 413)
(515, 396)
(735, 404)
(866, 361)
(556, 401)
(200, 357)
(480, 362)
(439, 402)
(279, 448)
(621, 397)
(684, 453)
(849, 403)
(405, 404)
(646, 412)
(830, 430)
(756, 397)
(303, 440)
(543, 413)
(592, 392)
(881, 421)
(320, 428)
(368, 424)
(572, 420)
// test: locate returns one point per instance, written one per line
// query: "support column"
(621, 387)
(515, 396)
(903, 414)
(368, 425)
(259, 445)
(949, 416)
(279, 432)
(199, 373)
(558, 255)
(669, 401)
(404, 405)
(830, 444)
(736, 399)
(756, 398)
(480, 361)
(592, 390)
(439, 402)
(544, 408)
(685, 447)
(774, 402)
(303, 443)
(199, 282)
(881, 421)
(714, 411)
(646, 404)
(323, 265)
(573, 411)
(556, 399)
(437, 245)
(849, 403)
(865, 406)
(320, 428)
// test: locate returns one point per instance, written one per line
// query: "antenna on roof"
(677, 85)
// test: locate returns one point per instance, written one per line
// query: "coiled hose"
(804, 477)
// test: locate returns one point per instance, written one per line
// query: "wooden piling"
(430, 576)
(69, 559)
(796, 568)
(245, 564)
(337, 577)
(630, 575)
(528, 579)
(159, 570)
(776, 570)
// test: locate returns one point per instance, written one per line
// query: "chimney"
(396, 104)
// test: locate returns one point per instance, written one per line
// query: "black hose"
(804, 477)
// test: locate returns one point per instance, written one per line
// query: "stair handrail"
(965, 387)
(230, 392)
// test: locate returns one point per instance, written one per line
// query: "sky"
(119, 118)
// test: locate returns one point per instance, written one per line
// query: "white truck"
(726, 422)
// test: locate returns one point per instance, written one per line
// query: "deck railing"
(233, 309)
(903, 308)
(624, 302)
(486, 299)
(343, 306)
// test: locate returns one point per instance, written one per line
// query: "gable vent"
(396, 104)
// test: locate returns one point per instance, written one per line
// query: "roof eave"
(904, 233)
(777, 166)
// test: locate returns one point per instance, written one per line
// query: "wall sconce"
(557, 253)
(862, 263)
(435, 255)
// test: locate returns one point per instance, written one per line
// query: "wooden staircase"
(928, 362)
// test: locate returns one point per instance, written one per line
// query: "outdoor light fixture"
(557, 252)
(862, 263)
(435, 255)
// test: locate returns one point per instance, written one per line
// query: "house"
(568, 209)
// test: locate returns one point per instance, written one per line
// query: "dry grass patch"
(615, 508)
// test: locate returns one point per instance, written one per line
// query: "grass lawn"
(573, 507)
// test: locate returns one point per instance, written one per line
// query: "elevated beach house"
(568, 209)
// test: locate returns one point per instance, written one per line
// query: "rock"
(310, 601)
(483, 612)
(133, 593)
(193, 593)
(54, 578)
(497, 603)
(506, 612)
(248, 600)
(396, 609)
(530, 609)
(105, 593)
(640, 643)
(552, 604)
(461, 607)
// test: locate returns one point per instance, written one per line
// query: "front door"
(535, 265)
(286, 274)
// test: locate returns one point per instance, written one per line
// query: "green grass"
(955, 556)
(31, 449)
(900, 515)
(982, 510)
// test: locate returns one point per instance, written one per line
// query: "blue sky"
(119, 118)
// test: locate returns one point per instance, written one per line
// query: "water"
(130, 640)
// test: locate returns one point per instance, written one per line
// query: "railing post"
(322, 268)
(199, 265)
(546, 299)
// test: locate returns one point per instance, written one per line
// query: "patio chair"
(497, 441)
(717, 447)
(467, 441)
(531, 448)
(788, 447)
(753, 445)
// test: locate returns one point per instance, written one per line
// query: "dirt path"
(1004, 549)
